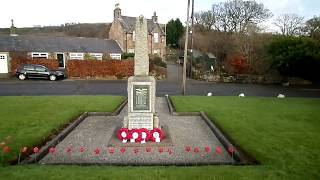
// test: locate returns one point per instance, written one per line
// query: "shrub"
(296, 56)
(156, 60)
(127, 55)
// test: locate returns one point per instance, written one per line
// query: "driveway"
(171, 86)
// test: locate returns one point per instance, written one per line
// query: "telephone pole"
(191, 34)
(185, 58)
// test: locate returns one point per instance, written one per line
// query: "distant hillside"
(98, 30)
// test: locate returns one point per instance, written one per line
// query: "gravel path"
(95, 133)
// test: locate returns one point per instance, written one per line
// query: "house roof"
(57, 44)
(128, 24)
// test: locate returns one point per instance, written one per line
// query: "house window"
(130, 50)
(76, 56)
(97, 56)
(39, 55)
(133, 35)
(115, 56)
(156, 51)
(156, 37)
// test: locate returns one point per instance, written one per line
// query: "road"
(171, 86)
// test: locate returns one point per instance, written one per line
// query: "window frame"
(41, 55)
(156, 37)
(76, 56)
(115, 56)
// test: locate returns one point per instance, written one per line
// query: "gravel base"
(99, 132)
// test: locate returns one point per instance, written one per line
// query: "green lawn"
(27, 120)
(283, 134)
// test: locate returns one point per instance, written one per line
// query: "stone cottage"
(59, 48)
(123, 31)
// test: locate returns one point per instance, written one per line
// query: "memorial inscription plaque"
(141, 100)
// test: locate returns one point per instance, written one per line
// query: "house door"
(3, 63)
(60, 58)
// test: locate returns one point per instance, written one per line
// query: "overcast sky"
(28, 13)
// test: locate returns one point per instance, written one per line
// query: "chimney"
(155, 17)
(117, 12)
(13, 29)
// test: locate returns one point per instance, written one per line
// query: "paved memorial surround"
(94, 135)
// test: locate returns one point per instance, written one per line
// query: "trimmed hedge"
(84, 68)
(97, 68)
(49, 63)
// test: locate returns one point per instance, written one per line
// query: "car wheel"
(22, 76)
(52, 77)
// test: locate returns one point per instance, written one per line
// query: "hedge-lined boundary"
(84, 68)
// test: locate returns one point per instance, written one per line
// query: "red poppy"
(35, 149)
(24, 150)
(160, 149)
(187, 148)
(196, 149)
(6, 149)
(68, 150)
(170, 151)
(136, 151)
(231, 149)
(218, 150)
(52, 150)
(111, 150)
(123, 150)
(207, 149)
(97, 151)
(82, 149)
(148, 149)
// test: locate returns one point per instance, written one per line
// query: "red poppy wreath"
(157, 135)
(135, 135)
(123, 134)
(145, 135)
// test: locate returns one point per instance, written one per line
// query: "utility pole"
(191, 34)
(185, 58)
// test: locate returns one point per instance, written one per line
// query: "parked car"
(37, 71)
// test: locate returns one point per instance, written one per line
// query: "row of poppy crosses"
(135, 150)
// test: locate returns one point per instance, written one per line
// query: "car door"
(29, 70)
(41, 72)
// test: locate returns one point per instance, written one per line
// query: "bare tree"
(205, 19)
(289, 24)
(312, 27)
(237, 15)
(232, 16)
